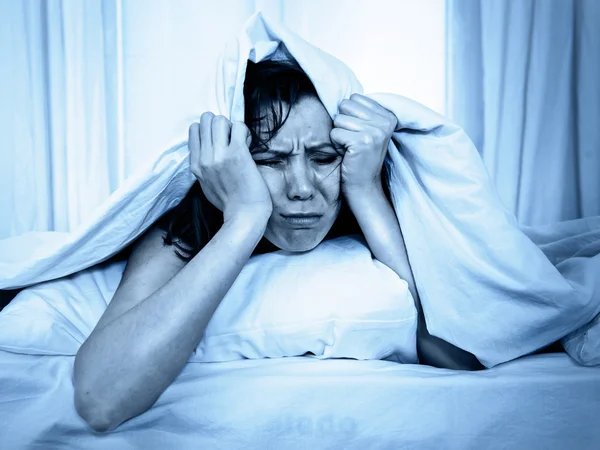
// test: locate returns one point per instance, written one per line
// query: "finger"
(240, 134)
(194, 146)
(206, 130)
(355, 109)
(221, 130)
(194, 139)
(343, 138)
(349, 123)
(370, 104)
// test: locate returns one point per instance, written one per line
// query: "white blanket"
(486, 286)
(537, 402)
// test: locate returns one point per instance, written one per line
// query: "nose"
(299, 181)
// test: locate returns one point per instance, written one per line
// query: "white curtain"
(54, 116)
(92, 90)
(524, 81)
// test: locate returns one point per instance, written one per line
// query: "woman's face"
(302, 171)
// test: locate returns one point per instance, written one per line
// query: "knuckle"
(378, 137)
(196, 170)
(367, 139)
(199, 168)
(205, 160)
(379, 134)
(219, 160)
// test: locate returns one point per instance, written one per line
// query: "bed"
(544, 401)
(465, 248)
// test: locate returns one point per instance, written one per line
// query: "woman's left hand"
(363, 129)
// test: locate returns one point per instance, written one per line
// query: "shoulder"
(150, 265)
(152, 253)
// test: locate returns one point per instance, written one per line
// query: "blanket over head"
(488, 286)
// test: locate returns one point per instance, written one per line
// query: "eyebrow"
(281, 153)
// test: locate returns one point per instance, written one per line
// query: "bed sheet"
(544, 401)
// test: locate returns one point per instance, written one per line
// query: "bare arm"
(364, 129)
(380, 226)
(126, 364)
(161, 308)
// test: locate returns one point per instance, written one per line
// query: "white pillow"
(56, 317)
(335, 301)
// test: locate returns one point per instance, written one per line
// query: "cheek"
(329, 182)
(274, 181)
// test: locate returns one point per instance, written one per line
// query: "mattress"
(544, 401)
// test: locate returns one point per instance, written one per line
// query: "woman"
(288, 178)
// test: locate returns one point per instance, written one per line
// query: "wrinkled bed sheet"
(537, 402)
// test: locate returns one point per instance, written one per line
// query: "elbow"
(88, 403)
(98, 424)
(98, 401)
(94, 414)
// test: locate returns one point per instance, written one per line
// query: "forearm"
(378, 222)
(122, 369)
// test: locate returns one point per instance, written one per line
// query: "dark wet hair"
(268, 87)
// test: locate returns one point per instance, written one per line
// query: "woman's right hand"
(221, 161)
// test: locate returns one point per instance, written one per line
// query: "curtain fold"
(587, 88)
(54, 152)
(538, 65)
(464, 68)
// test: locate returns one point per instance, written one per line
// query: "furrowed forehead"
(317, 147)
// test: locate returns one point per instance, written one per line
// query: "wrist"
(257, 212)
(366, 191)
(247, 219)
(243, 232)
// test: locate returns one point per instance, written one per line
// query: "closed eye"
(325, 160)
(268, 162)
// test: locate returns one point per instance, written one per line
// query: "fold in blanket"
(486, 285)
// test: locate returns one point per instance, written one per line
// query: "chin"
(299, 248)
(296, 245)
